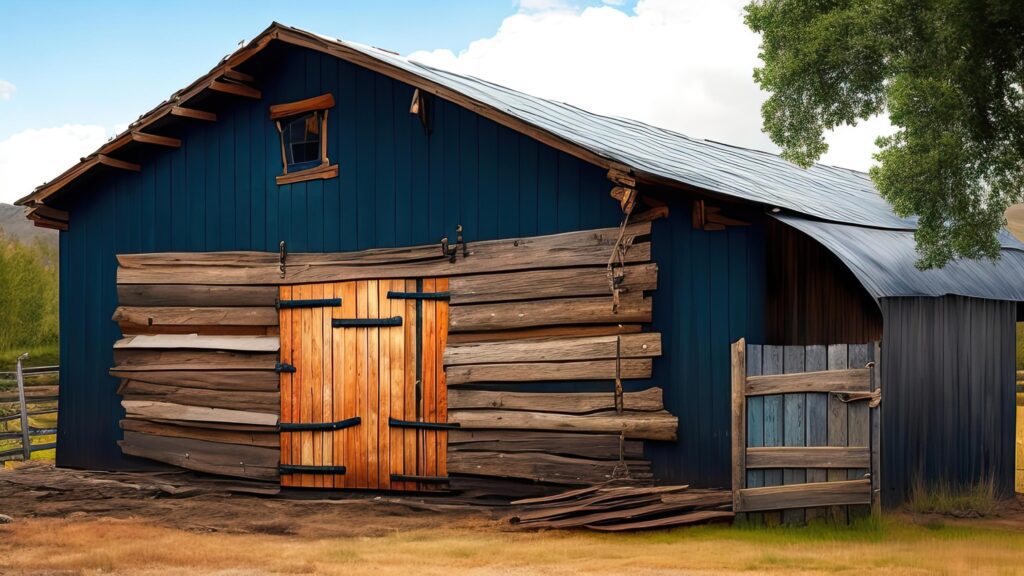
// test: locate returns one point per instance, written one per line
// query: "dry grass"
(139, 547)
(975, 500)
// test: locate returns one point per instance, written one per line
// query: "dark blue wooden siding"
(396, 187)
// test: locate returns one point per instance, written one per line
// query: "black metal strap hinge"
(314, 303)
(296, 469)
(395, 423)
(420, 479)
(306, 426)
(419, 295)
(366, 322)
(284, 367)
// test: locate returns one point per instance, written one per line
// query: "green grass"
(943, 498)
(1020, 345)
(40, 355)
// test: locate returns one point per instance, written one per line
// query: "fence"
(30, 400)
(805, 434)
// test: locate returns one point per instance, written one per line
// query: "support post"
(26, 445)
(739, 420)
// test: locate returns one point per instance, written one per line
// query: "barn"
(322, 265)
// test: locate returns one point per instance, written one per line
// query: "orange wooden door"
(364, 373)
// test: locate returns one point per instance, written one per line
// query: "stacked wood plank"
(611, 508)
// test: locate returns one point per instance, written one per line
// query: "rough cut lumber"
(549, 371)
(853, 380)
(235, 89)
(593, 446)
(556, 283)
(197, 342)
(539, 467)
(649, 400)
(193, 113)
(605, 497)
(240, 380)
(643, 345)
(639, 425)
(129, 329)
(216, 425)
(269, 402)
(270, 439)
(570, 249)
(512, 315)
(166, 410)
(844, 492)
(668, 522)
(322, 102)
(254, 462)
(808, 457)
(183, 315)
(195, 295)
(542, 333)
(192, 360)
(738, 421)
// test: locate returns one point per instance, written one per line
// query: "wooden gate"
(805, 433)
(363, 398)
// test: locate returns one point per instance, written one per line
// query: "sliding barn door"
(363, 402)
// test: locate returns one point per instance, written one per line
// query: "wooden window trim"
(324, 171)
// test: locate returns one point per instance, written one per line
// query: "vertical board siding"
(948, 386)
(397, 185)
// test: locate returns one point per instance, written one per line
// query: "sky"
(73, 74)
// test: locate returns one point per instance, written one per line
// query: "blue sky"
(74, 73)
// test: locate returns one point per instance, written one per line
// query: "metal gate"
(363, 397)
(805, 431)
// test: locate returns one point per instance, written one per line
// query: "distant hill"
(14, 224)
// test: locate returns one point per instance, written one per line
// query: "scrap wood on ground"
(617, 508)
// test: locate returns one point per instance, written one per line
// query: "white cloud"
(31, 157)
(7, 90)
(685, 65)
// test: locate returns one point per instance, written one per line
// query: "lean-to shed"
(254, 283)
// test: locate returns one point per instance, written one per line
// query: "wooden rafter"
(50, 213)
(237, 76)
(144, 138)
(322, 102)
(115, 163)
(193, 113)
(235, 89)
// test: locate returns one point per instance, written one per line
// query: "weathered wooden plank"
(538, 467)
(773, 421)
(241, 380)
(269, 402)
(512, 315)
(544, 332)
(254, 462)
(169, 411)
(593, 446)
(846, 492)
(838, 359)
(129, 329)
(548, 371)
(808, 457)
(270, 439)
(555, 283)
(755, 423)
(859, 420)
(640, 425)
(666, 522)
(443, 315)
(590, 247)
(285, 383)
(197, 342)
(183, 315)
(195, 295)
(644, 345)
(649, 400)
(795, 431)
(739, 417)
(163, 360)
(817, 421)
(853, 380)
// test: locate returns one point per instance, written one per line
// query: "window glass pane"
(302, 141)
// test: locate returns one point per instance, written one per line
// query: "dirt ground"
(73, 522)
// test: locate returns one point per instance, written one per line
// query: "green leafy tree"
(28, 296)
(948, 72)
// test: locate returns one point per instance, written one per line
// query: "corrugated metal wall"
(947, 393)
(396, 187)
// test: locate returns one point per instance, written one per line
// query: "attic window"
(302, 126)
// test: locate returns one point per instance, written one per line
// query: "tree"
(948, 72)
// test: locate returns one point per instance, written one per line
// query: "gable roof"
(824, 196)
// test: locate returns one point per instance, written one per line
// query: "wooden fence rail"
(25, 395)
(804, 440)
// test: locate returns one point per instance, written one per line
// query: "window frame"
(281, 112)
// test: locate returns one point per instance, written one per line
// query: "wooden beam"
(322, 172)
(553, 283)
(514, 315)
(322, 102)
(639, 425)
(739, 419)
(808, 457)
(853, 380)
(542, 333)
(195, 295)
(143, 360)
(228, 380)
(594, 446)
(265, 402)
(194, 341)
(50, 213)
(144, 138)
(255, 462)
(232, 74)
(841, 493)
(235, 89)
(181, 315)
(193, 113)
(630, 368)
(644, 345)
(271, 438)
(171, 411)
(565, 403)
(539, 467)
(115, 163)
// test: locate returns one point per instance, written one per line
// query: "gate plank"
(800, 496)
(794, 406)
(837, 424)
(852, 380)
(384, 385)
(428, 438)
(816, 360)
(443, 310)
(285, 378)
(773, 422)
(409, 434)
(859, 420)
(816, 457)
(755, 423)
(362, 388)
(373, 386)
